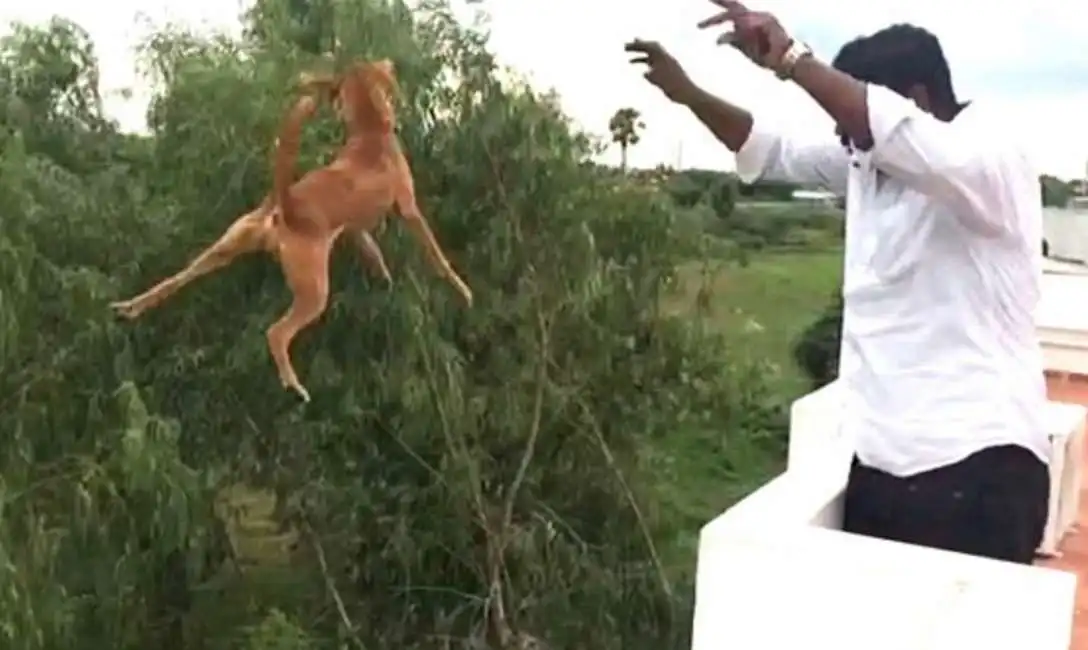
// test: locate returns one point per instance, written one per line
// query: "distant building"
(815, 197)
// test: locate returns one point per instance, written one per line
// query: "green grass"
(762, 308)
(262, 577)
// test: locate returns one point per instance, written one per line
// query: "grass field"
(763, 307)
(760, 309)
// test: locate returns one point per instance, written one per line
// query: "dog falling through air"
(300, 221)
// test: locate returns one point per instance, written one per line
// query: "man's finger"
(729, 38)
(743, 49)
(639, 45)
(641, 59)
(717, 19)
(733, 10)
(732, 40)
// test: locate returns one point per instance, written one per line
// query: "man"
(944, 375)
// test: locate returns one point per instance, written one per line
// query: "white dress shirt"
(940, 356)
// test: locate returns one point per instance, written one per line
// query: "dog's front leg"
(417, 224)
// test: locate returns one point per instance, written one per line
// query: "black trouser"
(993, 503)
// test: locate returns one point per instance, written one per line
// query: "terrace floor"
(1074, 547)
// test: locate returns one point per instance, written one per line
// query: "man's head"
(906, 59)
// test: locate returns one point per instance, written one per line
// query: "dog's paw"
(300, 390)
(462, 290)
(126, 309)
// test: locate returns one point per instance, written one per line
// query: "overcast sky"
(1028, 60)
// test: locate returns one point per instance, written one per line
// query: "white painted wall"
(1067, 233)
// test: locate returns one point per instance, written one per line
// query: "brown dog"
(299, 222)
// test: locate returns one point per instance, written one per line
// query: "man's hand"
(756, 34)
(760, 37)
(663, 70)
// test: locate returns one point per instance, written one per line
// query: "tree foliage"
(625, 127)
(716, 189)
(480, 478)
(816, 350)
(1056, 192)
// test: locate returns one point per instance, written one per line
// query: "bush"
(816, 351)
(691, 187)
(461, 475)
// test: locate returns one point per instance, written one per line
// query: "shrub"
(816, 351)
(718, 190)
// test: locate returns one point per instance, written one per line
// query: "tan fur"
(300, 221)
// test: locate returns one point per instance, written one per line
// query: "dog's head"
(363, 96)
(368, 92)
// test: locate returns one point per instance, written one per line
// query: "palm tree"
(625, 126)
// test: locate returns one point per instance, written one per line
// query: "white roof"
(1063, 268)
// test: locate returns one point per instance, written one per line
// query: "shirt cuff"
(887, 110)
(753, 155)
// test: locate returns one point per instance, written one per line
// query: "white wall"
(1067, 233)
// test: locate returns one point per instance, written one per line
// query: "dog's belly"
(358, 200)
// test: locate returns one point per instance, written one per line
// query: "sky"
(1027, 61)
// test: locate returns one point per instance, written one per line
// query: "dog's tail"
(286, 155)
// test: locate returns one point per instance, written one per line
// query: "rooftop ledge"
(775, 572)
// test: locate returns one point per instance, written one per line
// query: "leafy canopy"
(483, 475)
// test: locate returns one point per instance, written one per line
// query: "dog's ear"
(378, 80)
(325, 86)
(387, 67)
(388, 73)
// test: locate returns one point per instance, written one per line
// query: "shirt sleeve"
(769, 156)
(944, 160)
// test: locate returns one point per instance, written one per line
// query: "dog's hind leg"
(306, 269)
(245, 235)
(372, 255)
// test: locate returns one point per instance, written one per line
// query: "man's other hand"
(662, 70)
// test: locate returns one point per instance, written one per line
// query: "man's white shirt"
(940, 356)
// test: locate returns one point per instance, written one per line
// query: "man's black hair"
(900, 57)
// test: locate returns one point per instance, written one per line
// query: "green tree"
(723, 197)
(486, 476)
(768, 191)
(308, 25)
(625, 127)
(1056, 192)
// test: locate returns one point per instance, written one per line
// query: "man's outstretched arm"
(840, 95)
(760, 152)
(730, 124)
(944, 160)
(763, 154)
